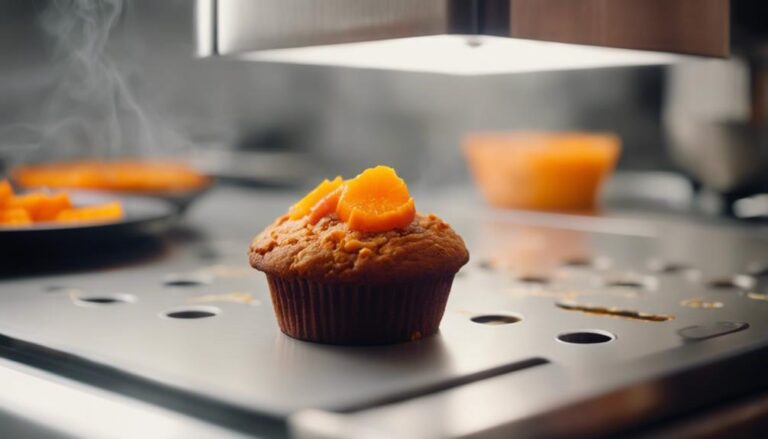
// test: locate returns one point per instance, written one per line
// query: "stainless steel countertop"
(237, 370)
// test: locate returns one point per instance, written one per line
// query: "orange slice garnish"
(305, 205)
(377, 200)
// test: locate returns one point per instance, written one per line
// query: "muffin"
(354, 263)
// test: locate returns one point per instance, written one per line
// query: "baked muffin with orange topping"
(354, 263)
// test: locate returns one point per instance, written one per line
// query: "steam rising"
(93, 109)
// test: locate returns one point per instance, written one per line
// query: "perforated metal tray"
(502, 324)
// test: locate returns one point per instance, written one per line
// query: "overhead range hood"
(464, 36)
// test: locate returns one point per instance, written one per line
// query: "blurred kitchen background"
(147, 93)
(117, 78)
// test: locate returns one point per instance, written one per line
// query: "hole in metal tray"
(626, 283)
(486, 264)
(534, 279)
(759, 269)
(668, 267)
(591, 336)
(496, 319)
(103, 299)
(186, 280)
(737, 282)
(584, 262)
(578, 262)
(631, 282)
(193, 312)
(445, 385)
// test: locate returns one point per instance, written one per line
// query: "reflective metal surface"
(697, 27)
(41, 405)
(247, 25)
(193, 330)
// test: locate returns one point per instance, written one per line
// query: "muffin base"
(353, 314)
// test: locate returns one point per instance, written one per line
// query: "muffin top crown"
(329, 251)
(359, 231)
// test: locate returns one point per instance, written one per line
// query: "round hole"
(593, 336)
(739, 281)
(104, 299)
(496, 319)
(721, 284)
(533, 279)
(667, 267)
(599, 263)
(759, 269)
(186, 280)
(101, 300)
(190, 314)
(578, 262)
(626, 283)
(486, 265)
(195, 312)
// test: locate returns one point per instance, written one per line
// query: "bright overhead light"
(463, 55)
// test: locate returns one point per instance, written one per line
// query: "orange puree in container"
(377, 200)
(541, 171)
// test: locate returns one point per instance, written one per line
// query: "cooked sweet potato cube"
(6, 192)
(14, 217)
(41, 206)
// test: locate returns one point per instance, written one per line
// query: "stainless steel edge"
(205, 28)
(698, 27)
(48, 405)
(249, 25)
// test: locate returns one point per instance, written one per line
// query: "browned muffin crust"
(330, 252)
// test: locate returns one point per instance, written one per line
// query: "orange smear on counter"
(315, 196)
(377, 200)
(102, 212)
